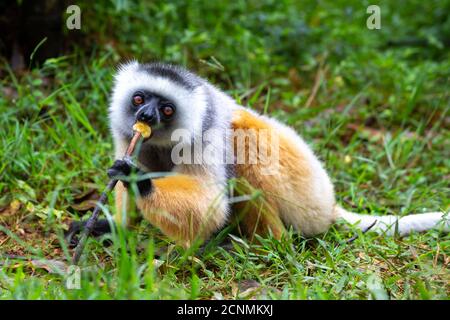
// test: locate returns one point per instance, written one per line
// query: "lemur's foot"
(122, 169)
(101, 227)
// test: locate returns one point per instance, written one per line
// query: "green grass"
(379, 121)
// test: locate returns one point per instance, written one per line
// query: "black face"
(152, 109)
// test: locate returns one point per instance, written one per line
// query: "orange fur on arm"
(184, 207)
(122, 205)
(125, 214)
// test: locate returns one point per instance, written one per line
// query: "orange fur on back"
(286, 191)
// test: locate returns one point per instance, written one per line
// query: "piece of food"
(143, 129)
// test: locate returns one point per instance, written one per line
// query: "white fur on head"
(191, 104)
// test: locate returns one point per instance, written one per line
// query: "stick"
(103, 198)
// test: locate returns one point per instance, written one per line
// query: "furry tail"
(389, 225)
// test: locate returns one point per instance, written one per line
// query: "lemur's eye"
(168, 109)
(138, 99)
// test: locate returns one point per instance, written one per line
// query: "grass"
(379, 121)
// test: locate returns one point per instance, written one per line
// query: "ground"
(374, 108)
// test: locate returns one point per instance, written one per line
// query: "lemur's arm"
(183, 206)
(122, 204)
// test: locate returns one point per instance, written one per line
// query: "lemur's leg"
(261, 214)
(184, 206)
(258, 215)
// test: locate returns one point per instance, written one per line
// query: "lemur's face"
(156, 111)
(165, 97)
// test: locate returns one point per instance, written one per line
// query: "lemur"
(195, 201)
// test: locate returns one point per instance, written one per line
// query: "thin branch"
(103, 198)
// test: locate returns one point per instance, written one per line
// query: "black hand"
(123, 168)
(120, 169)
(101, 227)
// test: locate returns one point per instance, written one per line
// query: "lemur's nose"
(145, 117)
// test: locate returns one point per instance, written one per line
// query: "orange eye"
(168, 110)
(138, 99)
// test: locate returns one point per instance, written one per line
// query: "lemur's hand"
(122, 170)
(101, 227)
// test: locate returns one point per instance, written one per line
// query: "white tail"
(403, 225)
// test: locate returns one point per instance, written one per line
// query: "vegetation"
(374, 104)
